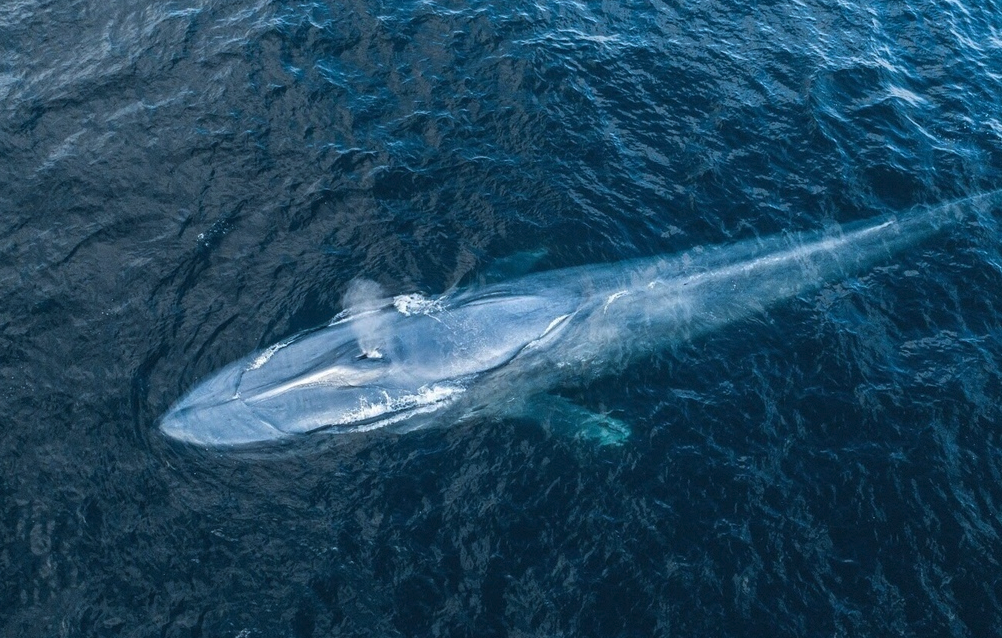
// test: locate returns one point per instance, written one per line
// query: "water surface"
(185, 182)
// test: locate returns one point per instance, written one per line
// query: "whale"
(513, 347)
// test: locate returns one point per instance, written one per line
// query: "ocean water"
(184, 182)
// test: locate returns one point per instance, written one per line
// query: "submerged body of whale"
(409, 361)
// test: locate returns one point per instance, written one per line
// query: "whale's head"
(369, 370)
(321, 380)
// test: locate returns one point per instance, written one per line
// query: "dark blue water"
(184, 182)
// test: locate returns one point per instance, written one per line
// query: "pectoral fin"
(560, 414)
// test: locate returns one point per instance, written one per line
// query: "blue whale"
(409, 361)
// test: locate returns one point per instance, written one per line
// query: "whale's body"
(409, 361)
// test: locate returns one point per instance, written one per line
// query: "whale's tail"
(923, 220)
(971, 208)
(678, 298)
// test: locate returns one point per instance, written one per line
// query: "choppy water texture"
(184, 182)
